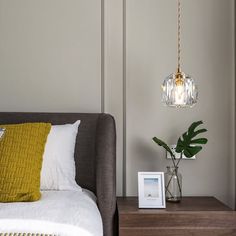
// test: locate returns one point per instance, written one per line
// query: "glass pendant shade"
(179, 90)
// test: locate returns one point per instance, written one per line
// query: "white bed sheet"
(65, 213)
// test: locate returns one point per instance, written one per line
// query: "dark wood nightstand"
(194, 216)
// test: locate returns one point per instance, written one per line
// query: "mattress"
(64, 213)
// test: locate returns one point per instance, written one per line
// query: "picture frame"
(151, 190)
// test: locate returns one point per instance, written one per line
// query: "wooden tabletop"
(130, 204)
(198, 216)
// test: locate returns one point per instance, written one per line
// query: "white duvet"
(64, 213)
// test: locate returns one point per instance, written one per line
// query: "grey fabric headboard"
(95, 155)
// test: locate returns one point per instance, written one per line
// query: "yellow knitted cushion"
(21, 152)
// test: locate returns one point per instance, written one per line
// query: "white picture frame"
(151, 190)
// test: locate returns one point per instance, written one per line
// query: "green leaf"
(163, 144)
(199, 141)
(199, 132)
(180, 146)
(187, 153)
(187, 145)
(193, 126)
(185, 135)
(191, 151)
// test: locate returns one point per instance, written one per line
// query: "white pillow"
(58, 168)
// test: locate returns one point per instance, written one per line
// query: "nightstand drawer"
(178, 219)
(195, 216)
(175, 232)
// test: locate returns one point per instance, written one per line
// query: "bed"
(95, 159)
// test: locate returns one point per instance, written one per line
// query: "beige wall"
(50, 55)
(208, 52)
(113, 76)
(149, 54)
(52, 58)
(57, 55)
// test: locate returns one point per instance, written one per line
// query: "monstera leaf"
(187, 144)
(163, 144)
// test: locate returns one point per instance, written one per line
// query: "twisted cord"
(179, 31)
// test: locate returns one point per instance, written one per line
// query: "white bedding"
(64, 213)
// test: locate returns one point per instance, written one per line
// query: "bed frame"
(95, 156)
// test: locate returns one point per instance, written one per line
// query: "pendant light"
(179, 89)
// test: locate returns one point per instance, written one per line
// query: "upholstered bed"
(95, 156)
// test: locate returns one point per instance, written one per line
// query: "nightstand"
(196, 216)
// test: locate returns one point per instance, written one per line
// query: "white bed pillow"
(58, 168)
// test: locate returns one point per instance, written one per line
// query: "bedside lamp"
(179, 89)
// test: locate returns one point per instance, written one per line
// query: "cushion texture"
(58, 170)
(21, 152)
(95, 155)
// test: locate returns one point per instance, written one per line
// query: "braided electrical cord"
(179, 31)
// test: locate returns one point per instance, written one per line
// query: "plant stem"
(181, 156)
(173, 160)
(180, 190)
(175, 171)
(167, 186)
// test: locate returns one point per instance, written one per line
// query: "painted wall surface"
(50, 55)
(112, 56)
(208, 55)
(52, 59)
(113, 77)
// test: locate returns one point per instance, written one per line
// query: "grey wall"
(149, 54)
(235, 95)
(50, 55)
(112, 56)
(208, 55)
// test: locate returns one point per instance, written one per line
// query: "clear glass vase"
(173, 184)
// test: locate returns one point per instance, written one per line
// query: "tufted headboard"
(95, 155)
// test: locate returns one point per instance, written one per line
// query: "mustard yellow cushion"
(21, 152)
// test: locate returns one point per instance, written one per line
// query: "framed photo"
(151, 190)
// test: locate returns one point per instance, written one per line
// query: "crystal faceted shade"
(179, 90)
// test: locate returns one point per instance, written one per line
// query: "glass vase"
(173, 184)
